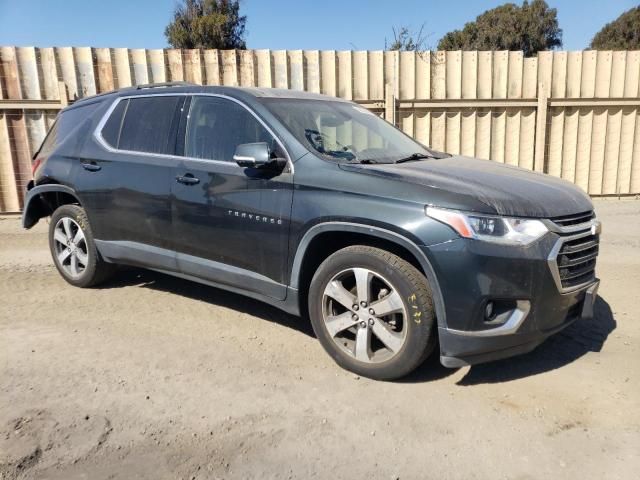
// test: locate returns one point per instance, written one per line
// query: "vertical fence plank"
(499, 115)
(528, 115)
(16, 125)
(280, 69)
(483, 120)
(392, 71)
(571, 117)
(376, 75)
(49, 73)
(614, 125)
(30, 87)
(600, 117)
(345, 75)
(312, 70)
(453, 91)
(157, 65)
(407, 90)
(139, 64)
(193, 66)
(265, 72)
(585, 120)
(629, 129)
(328, 72)
(123, 68)
(438, 91)
(104, 70)
(9, 196)
(423, 91)
(514, 90)
(84, 71)
(361, 75)
(230, 68)
(68, 70)
(247, 68)
(296, 67)
(212, 67)
(469, 90)
(174, 60)
(556, 115)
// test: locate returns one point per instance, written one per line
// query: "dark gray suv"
(316, 205)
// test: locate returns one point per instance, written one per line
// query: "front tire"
(73, 248)
(372, 312)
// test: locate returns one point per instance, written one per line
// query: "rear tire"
(73, 248)
(344, 294)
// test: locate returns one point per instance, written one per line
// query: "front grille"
(576, 260)
(571, 220)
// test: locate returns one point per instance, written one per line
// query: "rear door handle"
(187, 179)
(92, 167)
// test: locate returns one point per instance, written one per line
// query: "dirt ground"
(156, 377)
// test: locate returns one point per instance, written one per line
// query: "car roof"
(241, 93)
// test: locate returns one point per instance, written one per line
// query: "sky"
(276, 24)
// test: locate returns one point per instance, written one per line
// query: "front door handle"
(187, 179)
(92, 167)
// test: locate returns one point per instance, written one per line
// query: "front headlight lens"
(505, 230)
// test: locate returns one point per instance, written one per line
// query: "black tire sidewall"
(415, 294)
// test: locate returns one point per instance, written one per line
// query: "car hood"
(488, 186)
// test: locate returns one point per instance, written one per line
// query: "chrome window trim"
(552, 261)
(97, 133)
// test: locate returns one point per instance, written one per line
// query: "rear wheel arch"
(324, 239)
(43, 200)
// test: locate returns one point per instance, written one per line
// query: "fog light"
(488, 311)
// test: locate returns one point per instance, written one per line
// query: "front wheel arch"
(307, 260)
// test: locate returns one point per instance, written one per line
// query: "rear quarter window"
(68, 122)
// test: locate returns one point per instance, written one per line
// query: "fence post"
(541, 128)
(389, 104)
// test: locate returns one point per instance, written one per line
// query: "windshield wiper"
(414, 156)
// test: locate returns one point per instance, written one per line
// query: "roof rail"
(165, 84)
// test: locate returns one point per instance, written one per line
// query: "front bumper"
(472, 273)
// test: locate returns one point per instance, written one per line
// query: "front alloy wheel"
(372, 312)
(364, 314)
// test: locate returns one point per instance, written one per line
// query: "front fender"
(375, 232)
(34, 206)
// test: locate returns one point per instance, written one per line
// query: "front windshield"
(342, 131)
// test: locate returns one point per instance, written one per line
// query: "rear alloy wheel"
(372, 312)
(73, 249)
(70, 247)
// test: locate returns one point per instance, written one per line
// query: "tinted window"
(111, 129)
(216, 126)
(68, 121)
(147, 125)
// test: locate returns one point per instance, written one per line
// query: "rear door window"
(149, 125)
(216, 126)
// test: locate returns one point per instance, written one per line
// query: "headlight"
(505, 230)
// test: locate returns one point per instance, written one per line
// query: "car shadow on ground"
(204, 293)
(565, 347)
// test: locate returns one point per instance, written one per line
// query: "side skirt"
(207, 272)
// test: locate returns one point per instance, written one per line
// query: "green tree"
(207, 24)
(621, 34)
(531, 27)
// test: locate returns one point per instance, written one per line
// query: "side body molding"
(375, 232)
(34, 209)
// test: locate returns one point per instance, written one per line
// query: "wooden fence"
(575, 115)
